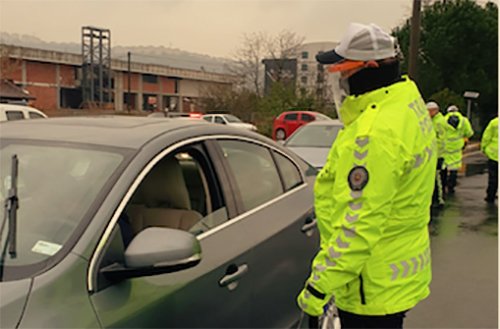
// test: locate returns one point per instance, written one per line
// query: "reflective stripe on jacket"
(440, 128)
(372, 202)
(455, 140)
(489, 141)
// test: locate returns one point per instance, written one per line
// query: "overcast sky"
(212, 27)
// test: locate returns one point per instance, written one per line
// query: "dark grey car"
(145, 222)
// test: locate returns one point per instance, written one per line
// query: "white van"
(9, 112)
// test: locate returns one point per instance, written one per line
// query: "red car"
(287, 122)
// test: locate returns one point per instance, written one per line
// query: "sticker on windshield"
(46, 248)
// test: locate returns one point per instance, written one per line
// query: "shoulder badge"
(358, 178)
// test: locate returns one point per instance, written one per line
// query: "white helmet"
(432, 105)
(452, 108)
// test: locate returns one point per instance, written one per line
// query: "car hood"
(13, 297)
(316, 156)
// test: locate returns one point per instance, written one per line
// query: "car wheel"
(330, 319)
(280, 134)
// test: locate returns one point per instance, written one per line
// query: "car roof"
(19, 107)
(301, 111)
(118, 131)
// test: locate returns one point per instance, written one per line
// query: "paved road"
(464, 244)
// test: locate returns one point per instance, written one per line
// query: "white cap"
(452, 108)
(361, 43)
(432, 105)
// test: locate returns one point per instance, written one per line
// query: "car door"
(275, 200)
(216, 293)
(291, 123)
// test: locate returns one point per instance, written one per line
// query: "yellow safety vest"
(489, 141)
(439, 124)
(372, 202)
(455, 140)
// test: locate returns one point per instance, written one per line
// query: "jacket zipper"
(361, 290)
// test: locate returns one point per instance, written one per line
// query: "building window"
(303, 79)
(150, 78)
(305, 55)
(304, 67)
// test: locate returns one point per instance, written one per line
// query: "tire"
(280, 135)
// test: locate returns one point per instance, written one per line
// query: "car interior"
(174, 194)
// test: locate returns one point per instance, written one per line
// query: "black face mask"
(369, 78)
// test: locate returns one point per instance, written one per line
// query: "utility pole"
(129, 96)
(414, 40)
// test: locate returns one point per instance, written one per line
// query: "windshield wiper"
(11, 205)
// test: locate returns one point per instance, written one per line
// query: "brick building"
(54, 78)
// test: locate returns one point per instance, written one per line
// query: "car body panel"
(14, 297)
(316, 156)
(66, 294)
(59, 298)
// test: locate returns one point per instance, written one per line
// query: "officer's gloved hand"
(311, 301)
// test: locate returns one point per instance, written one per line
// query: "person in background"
(440, 128)
(373, 195)
(457, 129)
(489, 146)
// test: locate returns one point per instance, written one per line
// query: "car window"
(290, 174)
(254, 170)
(291, 117)
(14, 115)
(180, 192)
(307, 117)
(218, 119)
(208, 118)
(34, 115)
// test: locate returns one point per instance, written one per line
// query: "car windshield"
(314, 136)
(56, 186)
(231, 118)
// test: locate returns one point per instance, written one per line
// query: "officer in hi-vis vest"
(439, 124)
(372, 197)
(457, 129)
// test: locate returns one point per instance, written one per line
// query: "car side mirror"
(156, 250)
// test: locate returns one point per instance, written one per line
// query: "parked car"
(287, 122)
(313, 141)
(9, 112)
(143, 222)
(230, 120)
(162, 114)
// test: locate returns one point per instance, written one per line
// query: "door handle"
(233, 274)
(309, 226)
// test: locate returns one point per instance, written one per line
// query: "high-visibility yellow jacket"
(439, 124)
(489, 141)
(455, 140)
(372, 202)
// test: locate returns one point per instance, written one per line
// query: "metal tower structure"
(97, 86)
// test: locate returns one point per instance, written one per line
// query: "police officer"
(489, 146)
(457, 129)
(439, 125)
(372, 197)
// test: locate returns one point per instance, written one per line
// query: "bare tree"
(258, 46)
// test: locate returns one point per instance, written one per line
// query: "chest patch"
(358, 178)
